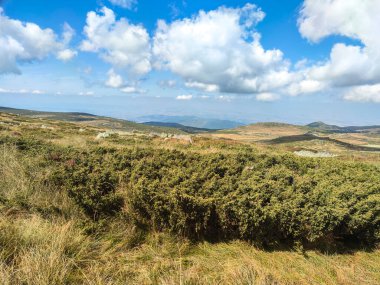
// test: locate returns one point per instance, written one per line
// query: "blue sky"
(291, 61)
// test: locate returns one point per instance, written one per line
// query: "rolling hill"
(93, 120)
(193, 121)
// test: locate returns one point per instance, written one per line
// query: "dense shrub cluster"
(267, 199)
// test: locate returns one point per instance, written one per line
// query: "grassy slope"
(45, 239)
(92, 120)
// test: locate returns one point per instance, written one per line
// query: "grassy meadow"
(140, 208)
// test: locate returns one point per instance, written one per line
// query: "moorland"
(96, 200)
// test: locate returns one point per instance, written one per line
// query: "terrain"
(349, 143)
(192, 121)
(96, 200)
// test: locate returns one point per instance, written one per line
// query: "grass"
(46, 239)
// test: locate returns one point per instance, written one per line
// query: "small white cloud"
(167, 83)
(365, 93)
(305, 87)
(203, 86)
(184, 97)
(68, 34)
(114, 80)
(86, 93)
(127, 4)
(267, 97)
(66, 54)
(132, 89)
(225, 98)
(38, 92)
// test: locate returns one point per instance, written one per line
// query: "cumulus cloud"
(127, 4)
(124, 45)
(23, 42)
(220, 51)
(305, 86)
(348, 64)
(66, 54)
(26, 42)
(365, 93)
(114, 80)
(267, 97)
(184, 97)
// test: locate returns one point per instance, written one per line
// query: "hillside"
(93, 120)
(141, 209)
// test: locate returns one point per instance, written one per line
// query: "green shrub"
(240, 194)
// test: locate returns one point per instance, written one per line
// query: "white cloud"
(124, 45)
(184, 97)
(23, 42)
(114, 80)
(132, 89)
(267, 97)
(348, 65)
(365, 93)
(68, 34)
(21, 91)
(220, 51)
(127, 4)
(167, 83)
(66, 54)
(305, 87)
(203, 86)
(226, 98)
(38, 92)
(86, 93)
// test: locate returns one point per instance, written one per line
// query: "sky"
(266, 60)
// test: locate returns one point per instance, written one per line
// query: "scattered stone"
(104, 135)
(307, 153)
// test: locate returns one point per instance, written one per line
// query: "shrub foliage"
(243, 194)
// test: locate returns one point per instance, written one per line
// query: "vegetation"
(145, 211)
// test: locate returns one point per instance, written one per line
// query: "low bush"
(268, 199)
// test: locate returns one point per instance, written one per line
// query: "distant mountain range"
(321, 126)
(192, 121)
(187, 129)
(179, 124)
